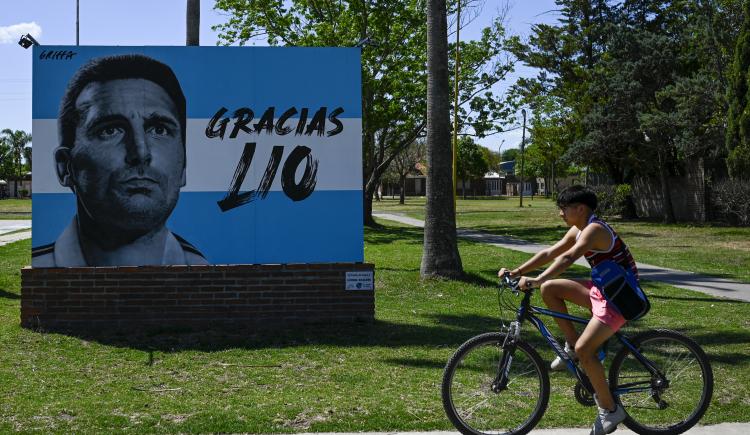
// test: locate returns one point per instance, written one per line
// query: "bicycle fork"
(500, 382)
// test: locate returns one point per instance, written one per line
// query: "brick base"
(192, 296)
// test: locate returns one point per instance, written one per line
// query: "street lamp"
(523, 142)
(27, 41)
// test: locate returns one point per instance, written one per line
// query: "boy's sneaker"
(607, 421)
(558, 363)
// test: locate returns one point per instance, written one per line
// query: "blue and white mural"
(196, 155)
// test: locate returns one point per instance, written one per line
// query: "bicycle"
(496, 383)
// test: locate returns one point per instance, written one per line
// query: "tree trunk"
(667, 209)
(402, 184)
(193, 22)
(463, 186)
(367, 208)
(440, 256)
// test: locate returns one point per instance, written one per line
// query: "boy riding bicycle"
(594, 239)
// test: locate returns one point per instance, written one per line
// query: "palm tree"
(193, 22)
(17, 140)
(440, 257)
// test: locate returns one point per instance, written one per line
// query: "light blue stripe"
(325, 227)
(231, 77)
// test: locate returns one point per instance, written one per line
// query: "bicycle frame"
(526, 311)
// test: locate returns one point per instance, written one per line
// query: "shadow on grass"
(450, 331)
(386, 235)
(696, 299)
(419, 363)
(542, 234)
(477, 279)
(8, 295)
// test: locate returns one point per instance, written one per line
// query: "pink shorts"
(601, 310)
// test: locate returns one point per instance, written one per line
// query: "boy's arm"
(592, 237)
(548, 254)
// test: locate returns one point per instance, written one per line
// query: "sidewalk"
(677, 278)
(8, 226)
(718, 429)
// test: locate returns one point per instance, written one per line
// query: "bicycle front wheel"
(468, 397)
(663, 408)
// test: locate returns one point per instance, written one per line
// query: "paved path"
(8, 226)
(687, 280)
(718, 429)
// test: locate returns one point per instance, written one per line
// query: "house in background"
(23, 184)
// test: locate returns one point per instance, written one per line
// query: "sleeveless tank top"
(618, 250)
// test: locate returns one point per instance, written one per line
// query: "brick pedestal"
(192, 296)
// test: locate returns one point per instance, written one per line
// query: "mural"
(196, 155)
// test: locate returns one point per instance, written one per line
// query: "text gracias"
(297, 191)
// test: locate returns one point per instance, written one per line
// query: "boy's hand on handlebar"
(513, 273)
(527, 283)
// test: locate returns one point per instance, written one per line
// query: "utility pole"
(523, 142)
(193, 22)
(455, 109)
(78, 9)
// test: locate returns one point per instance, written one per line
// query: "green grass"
(15, 209)
(383, 376)
(711, 250)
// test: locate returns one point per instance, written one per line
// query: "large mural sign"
(196, 155)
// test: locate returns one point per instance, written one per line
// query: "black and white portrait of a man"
(121, 131)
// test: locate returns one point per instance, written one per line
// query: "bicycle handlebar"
(506, 280)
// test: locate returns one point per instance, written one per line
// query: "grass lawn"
(712, 250)
(355, 377)
(15, 208)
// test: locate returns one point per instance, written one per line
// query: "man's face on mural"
(128, 163)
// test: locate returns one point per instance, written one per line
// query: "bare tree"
(405, 163)
(440, 257)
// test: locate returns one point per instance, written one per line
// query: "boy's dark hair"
(577, 194)
(107, 68)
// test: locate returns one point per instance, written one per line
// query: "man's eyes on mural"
(160, 130)
(110, 132)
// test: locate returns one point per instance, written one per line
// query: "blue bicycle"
(496, 383)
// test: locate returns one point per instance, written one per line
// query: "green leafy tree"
(17, 141)
(471, 162)
(6, 158)
(493, 158)
(394, 79)
(511, 154)
(738, 131)
(550, 141)
(612, 65)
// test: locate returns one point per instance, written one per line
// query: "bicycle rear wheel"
(471, 404)
(670, 408)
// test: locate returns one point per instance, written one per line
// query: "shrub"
(614, 200)
(732, 198)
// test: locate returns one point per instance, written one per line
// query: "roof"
(508, 167)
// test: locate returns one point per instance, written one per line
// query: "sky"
(162, 22)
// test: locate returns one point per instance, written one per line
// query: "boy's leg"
(592, 337)
(554, 294)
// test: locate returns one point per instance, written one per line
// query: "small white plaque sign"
(360, 280)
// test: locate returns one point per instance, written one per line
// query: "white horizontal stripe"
(211, 163)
